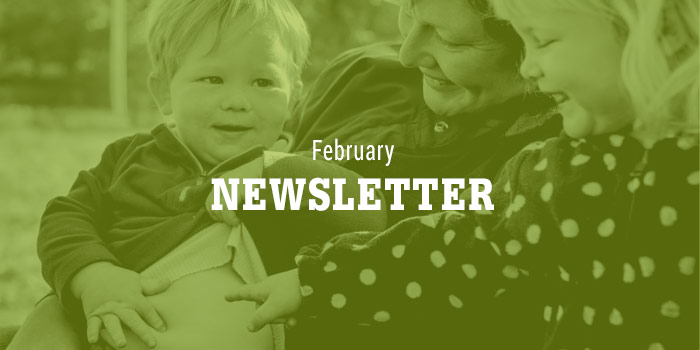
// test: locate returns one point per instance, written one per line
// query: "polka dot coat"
(593, 244)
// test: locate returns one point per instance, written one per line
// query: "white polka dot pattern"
(670, 309)
(398, 250)
(687, 265)
(547, 191)
(569, 228)
(330, 266)
(338, 301)
(382, 316)
(610, 161)
(647, 266)
(469, 270)
(437, 258)
(580, 159)
(606, 228)
(668, 216)
(588, 314)
(615, 317)
(368, 277)
(414, 290)
(455, 301)
(598, 269)
(306, 291)
(449, 236)
(542, 165)
(592, 189)
(533, 234)
(513, 247)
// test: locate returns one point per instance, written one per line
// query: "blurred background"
(72, 80)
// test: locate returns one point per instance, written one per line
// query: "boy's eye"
(263, 83)
(212, 80)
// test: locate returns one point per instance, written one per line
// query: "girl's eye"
(542, 43)
(263, 83)
(212, 80)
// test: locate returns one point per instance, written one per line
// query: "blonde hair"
(173, 25)
(660, 63)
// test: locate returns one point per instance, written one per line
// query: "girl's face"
(575, 58)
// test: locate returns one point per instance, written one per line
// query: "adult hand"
(279, 297)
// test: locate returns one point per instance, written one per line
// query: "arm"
(69, 237)
(79, 266)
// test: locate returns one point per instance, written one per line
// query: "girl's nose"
(530, 68)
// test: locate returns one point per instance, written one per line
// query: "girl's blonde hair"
(660, 59)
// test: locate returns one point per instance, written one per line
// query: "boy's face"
(227, 97)
(576, 58)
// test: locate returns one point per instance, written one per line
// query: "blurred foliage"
(56, 53)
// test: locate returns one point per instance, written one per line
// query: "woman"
(449, 97)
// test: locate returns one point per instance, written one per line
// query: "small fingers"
(114, 328)
(94, 323)
(153, 286)
(132, 320)
(150, 315)
(104, 335)
(264, 315)
(249, 292)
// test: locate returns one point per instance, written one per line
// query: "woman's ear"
(160, 91)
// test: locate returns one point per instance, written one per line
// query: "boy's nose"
(235, 101)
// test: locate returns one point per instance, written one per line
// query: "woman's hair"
(496, 28)
(173, 25)
(499, 29)
(660, 63)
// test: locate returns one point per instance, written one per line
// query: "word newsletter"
(292, 191)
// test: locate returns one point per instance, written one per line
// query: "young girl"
(594, 239)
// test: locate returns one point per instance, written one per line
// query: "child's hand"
(279, 295)
(111, 296)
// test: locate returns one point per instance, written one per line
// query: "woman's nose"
(415, 50)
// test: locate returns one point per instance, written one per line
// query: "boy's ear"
(297, 92)
(160, 91)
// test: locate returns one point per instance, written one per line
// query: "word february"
(320, 195)
(357, 152)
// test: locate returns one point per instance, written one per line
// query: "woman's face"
(463, 69)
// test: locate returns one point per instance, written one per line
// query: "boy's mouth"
(231, 128)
